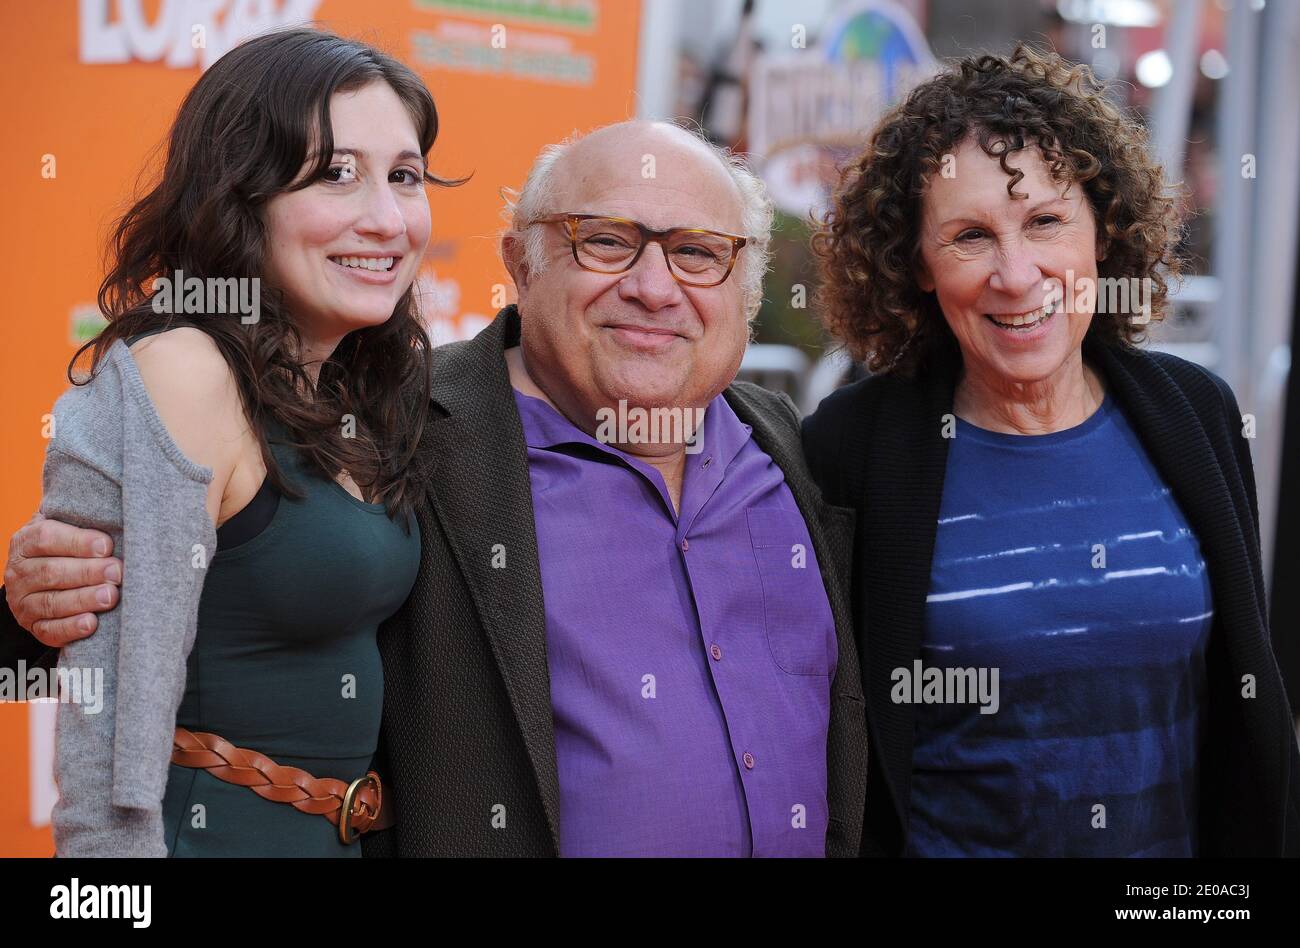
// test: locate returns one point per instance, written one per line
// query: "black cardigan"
(876, 446)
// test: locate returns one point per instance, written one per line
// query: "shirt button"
(749, 760)
(686, 545)
(716, 653)
(707, 462)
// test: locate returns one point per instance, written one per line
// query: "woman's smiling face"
(992, 261)
(346, 247)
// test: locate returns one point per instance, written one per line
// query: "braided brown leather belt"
(363, 798)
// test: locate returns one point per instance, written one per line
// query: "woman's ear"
(1103, 247)
(921, 272)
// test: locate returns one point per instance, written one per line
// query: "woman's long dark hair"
(242, 135)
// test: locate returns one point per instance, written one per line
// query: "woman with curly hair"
(1059, 594)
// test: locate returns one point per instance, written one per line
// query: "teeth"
(1026, 320)
(365, 263)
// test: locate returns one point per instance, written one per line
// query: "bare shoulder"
(195, 393)
(184, 353)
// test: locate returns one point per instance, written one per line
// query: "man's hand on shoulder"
(57, 577)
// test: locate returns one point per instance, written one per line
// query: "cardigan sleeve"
(112, 467)
(1241, 448)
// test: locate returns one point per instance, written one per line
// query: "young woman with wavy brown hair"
(256, 469)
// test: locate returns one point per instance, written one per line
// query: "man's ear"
(512, 254)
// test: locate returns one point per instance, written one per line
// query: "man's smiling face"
(592, 339)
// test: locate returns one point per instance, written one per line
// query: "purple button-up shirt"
(691, 653)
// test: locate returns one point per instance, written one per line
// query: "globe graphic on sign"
(873, 53)
(874, 36)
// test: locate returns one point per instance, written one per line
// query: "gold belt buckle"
(346, 834)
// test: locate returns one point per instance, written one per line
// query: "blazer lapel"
(481, 494)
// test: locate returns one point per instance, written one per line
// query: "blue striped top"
(1065, 573)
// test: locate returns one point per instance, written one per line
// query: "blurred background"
(89, 88)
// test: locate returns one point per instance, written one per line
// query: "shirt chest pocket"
(797, 617)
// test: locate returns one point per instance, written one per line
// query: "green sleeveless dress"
(285, 662)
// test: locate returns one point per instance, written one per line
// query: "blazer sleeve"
(113, 467)
(18, 645)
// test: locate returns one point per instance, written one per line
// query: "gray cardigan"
(111, 465)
